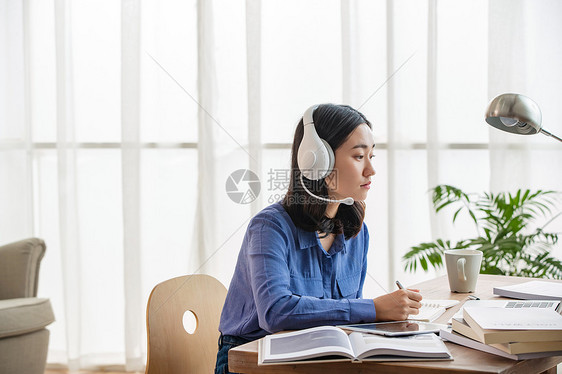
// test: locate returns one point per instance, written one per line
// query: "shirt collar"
(309, 239)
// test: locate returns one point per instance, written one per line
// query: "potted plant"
(507, 232)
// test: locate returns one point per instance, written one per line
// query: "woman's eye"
(359, 157)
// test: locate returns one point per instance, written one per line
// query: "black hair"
(334, 124)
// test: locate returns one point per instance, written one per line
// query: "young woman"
(303, 261)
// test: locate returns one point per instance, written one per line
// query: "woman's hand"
(396, 306)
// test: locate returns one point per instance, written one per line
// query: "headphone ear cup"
(315, 156)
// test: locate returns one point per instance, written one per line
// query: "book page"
(424, 345)
(308, 343)
(432, 309)
(439, 303)
(427, 313)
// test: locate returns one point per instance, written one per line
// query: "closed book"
(500, 325)
(538, 290)
(460, 326)
(474, 344)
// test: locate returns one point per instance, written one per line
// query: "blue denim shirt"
(284, 279)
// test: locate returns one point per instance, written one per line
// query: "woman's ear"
(331, 180)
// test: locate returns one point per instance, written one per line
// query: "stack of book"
(518, 330)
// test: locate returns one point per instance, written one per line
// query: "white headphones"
(315, 156)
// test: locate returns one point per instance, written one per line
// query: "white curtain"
(121, 122)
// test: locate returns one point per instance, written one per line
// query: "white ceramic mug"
(463, 267)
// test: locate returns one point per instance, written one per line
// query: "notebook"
(432, 309)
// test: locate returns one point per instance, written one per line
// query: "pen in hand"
(400, 286)
(397, 305)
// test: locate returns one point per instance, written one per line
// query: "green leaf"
(507, 232)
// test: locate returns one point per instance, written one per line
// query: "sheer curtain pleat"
(253, 76)
(205, 242)
(15, 147)
(350, 51)
(67, 184)
(27, 99)
(432, 110)
(156, 104)
(130, 159)
(392, 173)
(508, 71)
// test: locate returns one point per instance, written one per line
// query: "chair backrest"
(171, 349)
(19, 268)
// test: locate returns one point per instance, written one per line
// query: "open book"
(329, 343)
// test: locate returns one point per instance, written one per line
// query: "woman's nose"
(369, 170)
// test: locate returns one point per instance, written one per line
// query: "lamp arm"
(547, 133)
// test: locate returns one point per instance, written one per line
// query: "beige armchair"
(23, 317)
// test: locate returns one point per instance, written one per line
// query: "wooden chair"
(171, 349)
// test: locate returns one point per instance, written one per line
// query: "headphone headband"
(307, 116)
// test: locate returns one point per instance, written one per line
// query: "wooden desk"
(243, 359)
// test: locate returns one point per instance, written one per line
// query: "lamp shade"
(514, 113)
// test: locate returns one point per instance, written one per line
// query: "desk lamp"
(516, 114)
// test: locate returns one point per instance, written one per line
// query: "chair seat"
(24, 315)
